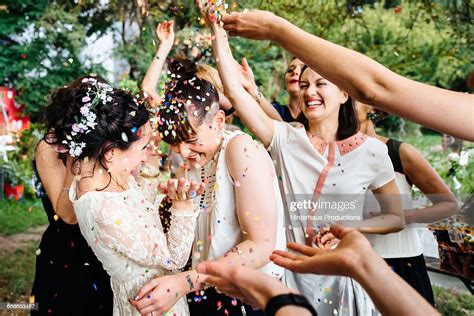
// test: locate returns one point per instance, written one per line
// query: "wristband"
(277, 302)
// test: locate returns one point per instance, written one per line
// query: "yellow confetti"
(118, 222)
(38, 252)
(56, 217)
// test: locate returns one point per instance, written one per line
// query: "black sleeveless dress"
(69, 280)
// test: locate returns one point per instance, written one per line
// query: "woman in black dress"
(69, 280)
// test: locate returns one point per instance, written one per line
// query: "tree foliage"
(428, 41)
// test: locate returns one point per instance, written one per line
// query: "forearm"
(390, 294)
(153, 73)
(382, 224)
(370, 82)
(432, 213)
(269, 110)
(244, 104)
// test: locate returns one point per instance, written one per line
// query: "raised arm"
(363, 78)
(56, 180)
(246, 106)
(248, 81)
(165, 33)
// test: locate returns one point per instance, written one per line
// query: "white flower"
(86, 99)
(457, 184)
(453, 157)
(464, 158)
(85, 110)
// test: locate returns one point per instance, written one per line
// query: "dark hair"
(348, 123)
(118, 120)
(186, 95)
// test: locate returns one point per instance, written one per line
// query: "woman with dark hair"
(242, 211)
(107, 132)
(324, 159)
(68, 279)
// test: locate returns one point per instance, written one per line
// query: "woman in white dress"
(107, 133)
(323, 158)
(241, 220)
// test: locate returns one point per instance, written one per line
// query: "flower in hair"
(97, 92)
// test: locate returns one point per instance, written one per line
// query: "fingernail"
(136, 297)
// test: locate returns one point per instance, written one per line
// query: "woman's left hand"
(159, 295)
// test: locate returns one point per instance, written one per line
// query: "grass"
(17, 216)
(17, 271)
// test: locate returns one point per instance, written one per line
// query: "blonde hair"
(210, 74)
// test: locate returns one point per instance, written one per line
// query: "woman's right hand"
(253, 24)
(165, 33)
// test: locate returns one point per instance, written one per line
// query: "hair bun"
(182, 68)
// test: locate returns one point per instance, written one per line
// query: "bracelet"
(190, 282)
(277, 302)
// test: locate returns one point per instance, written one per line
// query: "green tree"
(41, 43)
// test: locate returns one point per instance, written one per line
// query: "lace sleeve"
(149, 188)
(134, 233)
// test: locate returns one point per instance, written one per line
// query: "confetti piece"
(56, 217)
(38, 252)
(237, 183)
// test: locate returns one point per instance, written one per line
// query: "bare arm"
(363, 78)
(248, 81)
(391, 219)
(355, 258)
(430, 183)
(56, 179)
(247, 108)
(165, 34)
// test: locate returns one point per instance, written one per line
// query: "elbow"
(70, 220)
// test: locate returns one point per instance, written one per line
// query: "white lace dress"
(125, 233)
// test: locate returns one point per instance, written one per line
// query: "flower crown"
(87, 121)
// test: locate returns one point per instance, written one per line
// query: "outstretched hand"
(248, 285)
(339, 261)
(253, 24)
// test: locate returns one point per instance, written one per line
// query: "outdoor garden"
(47, 44)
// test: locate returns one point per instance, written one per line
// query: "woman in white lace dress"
(107, 132)
(241, 219)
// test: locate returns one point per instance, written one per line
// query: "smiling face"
(320, 98)
(292, 76)
(204, 142)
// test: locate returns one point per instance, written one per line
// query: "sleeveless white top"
(218, 229)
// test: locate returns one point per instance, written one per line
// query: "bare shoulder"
(241, 150)
(409, 154)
